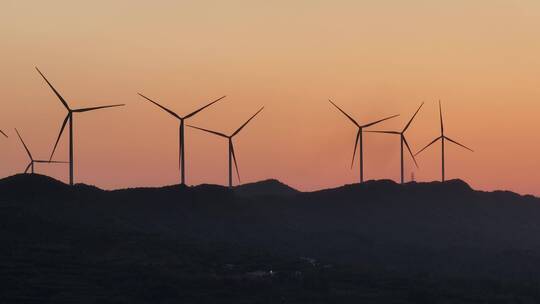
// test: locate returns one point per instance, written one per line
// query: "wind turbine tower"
(181, 119)
(32, 160)
(69, 118)
(359, 141)
(231, 154)
(403, 142)
(443, 138)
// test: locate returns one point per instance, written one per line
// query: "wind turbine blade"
(206, 106)
(355, 146)
(27, 167)
(25, 147)
(348, 116)
(440, 114)
(412, 118)
(162, 107)
(209, 131)
(378, 121)
(242, 126)
(431, 143)
(97, 108)
(50, 162)
(4, 133)
(54, 90)
(60, 134)
(410, 151)
(235, 163)
(455, 142)
(385, 132)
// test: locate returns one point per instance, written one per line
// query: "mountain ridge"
(272, 187)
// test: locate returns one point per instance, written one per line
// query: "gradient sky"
(374, 58)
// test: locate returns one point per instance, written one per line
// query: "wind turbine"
(32, 160)
(359, 141)
(181, 149)
(69, 117)
(442, 138)
(403, 141)
(232, 156)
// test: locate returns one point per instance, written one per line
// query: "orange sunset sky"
(373, 58)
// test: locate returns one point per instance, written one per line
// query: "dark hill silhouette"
(34, 182)
(372, 242)
(24, 183)
(269, 187)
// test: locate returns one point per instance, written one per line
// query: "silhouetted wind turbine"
(403, 141)
(3, 133)
(181, 149)
(442, 138)
(32, 160)
(359, 141)
(69, 117)
(232, 156)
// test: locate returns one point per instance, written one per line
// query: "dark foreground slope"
(378, 242)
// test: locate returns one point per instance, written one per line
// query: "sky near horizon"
(373, 58)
